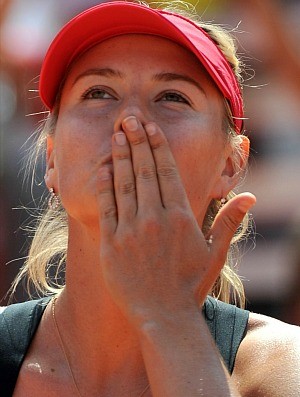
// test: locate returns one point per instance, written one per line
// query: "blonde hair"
(48, 249)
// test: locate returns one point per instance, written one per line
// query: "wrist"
(162, 324)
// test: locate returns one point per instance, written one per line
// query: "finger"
(147, 189)
(171, 188)
(124, 179)
(226, 224)
(106, 202)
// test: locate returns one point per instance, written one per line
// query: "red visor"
(117, 18)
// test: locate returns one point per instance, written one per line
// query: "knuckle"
(127, 187)
(109, 212)
(124, 155)
(146, 171)
(138, 139)
(126, 240)
(230, 223)
(152, 225)
(158, 144)
(167, 170)
(181, 218)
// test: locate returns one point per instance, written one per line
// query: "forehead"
(140, 50)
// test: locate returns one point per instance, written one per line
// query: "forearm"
(182, 360)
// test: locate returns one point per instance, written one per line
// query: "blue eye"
(96, 93)
(174, 97)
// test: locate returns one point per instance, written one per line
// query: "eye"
(174, 97)
(96, 93)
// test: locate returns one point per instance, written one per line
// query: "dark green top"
(19, 322)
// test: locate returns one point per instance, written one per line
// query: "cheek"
(198, 158)
(198, 178)
(81, 144)
(83, 134)
(195, 151)
(195, 168)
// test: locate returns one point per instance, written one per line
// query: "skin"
(136, 163)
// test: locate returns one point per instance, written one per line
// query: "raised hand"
(154, 257)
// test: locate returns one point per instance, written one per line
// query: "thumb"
(227, 222)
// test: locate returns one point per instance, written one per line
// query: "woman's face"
(155, 80)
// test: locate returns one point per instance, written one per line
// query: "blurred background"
(268, 35)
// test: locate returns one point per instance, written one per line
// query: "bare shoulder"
(268, 360)
(260, 325)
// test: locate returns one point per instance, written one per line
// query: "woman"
(144, 143)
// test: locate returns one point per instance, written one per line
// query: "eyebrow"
(178, 77)
(165, 76)
(105, 72)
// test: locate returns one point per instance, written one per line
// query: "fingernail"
(150, 128)
(131, 123)
(120, 138)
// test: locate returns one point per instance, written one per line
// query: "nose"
(132, 107)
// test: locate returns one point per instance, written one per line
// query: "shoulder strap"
(18, 324)
(227, 324)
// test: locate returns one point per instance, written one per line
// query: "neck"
(97, 336)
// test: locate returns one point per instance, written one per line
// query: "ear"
(235, 163)
(51, 171)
